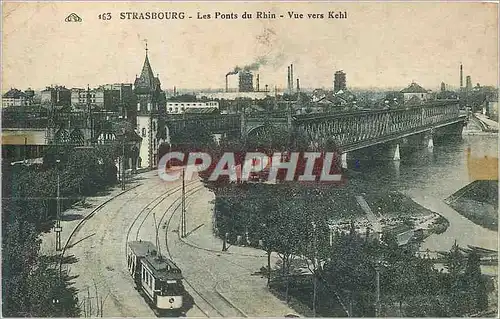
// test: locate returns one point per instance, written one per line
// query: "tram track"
(146, 211)
(70, 241)
(108, 236)
(173, 209)
(77, 228)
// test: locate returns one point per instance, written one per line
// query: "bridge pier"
(396, 155)
(429, 140)
(344, 160)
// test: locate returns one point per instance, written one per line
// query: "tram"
(157, 277)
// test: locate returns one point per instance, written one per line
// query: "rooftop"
(201, 110)
(14, 94)
(414, 88)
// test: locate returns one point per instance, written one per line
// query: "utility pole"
(183, 205)
(377, 286)
(157, 237)
(123, 162)
(58, 227)
(315, 282)
(377, 281)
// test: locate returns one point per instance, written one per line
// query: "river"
(429, 177)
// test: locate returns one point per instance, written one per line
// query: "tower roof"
(147, 80)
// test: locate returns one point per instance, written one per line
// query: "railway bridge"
(355, 133)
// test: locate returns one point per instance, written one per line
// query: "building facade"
(182, 107)
(109, 97)
(56, 96)
(150, 109)
(15, 97)
(119, 97)
(81, 98)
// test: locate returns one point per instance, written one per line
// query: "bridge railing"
(214, 123)
(351, 128)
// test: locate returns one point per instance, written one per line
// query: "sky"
(377, 45)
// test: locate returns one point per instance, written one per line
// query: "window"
(138, 106)
(143, 132)
(170, 109)
(149, 106)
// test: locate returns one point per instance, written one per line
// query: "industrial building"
(245, 81)
(339, 81)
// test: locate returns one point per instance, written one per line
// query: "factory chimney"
(288, 79)
(258, 88)
(175, 91)
(291, 78)
(226, 81)
(461, 76)
(298, 86)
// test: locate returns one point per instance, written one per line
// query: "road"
(221, 284)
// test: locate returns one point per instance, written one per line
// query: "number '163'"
(105, 16)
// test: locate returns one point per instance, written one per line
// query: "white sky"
(379, 45)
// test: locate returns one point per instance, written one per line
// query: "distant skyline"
(385, 45)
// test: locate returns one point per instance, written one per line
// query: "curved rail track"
(173, 209)
(85, 219)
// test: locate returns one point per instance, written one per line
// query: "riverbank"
(478, 202)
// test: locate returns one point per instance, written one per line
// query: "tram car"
(157, 277)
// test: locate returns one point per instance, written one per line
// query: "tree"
(477, 296)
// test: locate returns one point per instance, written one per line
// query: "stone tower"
(150, 106)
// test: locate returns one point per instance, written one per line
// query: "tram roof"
(163, 268)
(142, 248)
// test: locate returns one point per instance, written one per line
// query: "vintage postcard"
(249, 159)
